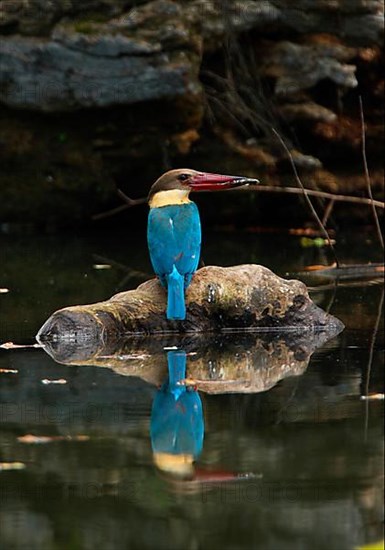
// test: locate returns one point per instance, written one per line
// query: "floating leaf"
(8, 371)
(6, 466)
(373, 397)
(318, 242)
(102, 266)
(306, 232)
(11, 345)
(39, 439)
(319, 267)
(372, 546)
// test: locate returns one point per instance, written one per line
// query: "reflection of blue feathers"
(174, 242)
(177, 425)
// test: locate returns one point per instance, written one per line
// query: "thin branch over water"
(321, 194)
(367, 176)
(129, 202)
(306, 195)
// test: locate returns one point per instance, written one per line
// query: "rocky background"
(105, 93)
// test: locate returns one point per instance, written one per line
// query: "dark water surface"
(295, 462)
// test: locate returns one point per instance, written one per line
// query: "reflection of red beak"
(214, 182)
(214, 476)
(202, 475)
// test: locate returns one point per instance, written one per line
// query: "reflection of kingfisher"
(174, 230)
(177, 430)
(177, 425)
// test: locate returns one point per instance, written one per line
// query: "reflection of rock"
(320, 480)
(245, 296)
(245, 363)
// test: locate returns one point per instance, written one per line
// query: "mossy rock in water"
(240, 297)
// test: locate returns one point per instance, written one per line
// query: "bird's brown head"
(188, 180)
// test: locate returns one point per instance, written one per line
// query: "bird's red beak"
(205, 181)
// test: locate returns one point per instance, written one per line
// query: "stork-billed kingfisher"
(174, 229)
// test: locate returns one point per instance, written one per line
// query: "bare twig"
(367, 176)
(306, 195)
(328, 211)
(111, 212)
(260, 189)
(129, 204)
(314, 193)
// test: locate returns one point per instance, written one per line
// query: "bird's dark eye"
(183, 177)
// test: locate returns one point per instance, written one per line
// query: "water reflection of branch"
(344, 272)
(287, 403)
(130, 272)
(344, 276)
(346, 284)
(370, 360)
(329, 306)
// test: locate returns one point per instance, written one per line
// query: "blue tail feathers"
(176, 309)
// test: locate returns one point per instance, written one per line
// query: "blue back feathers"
(174, 242)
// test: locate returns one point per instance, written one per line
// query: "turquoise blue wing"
(174, 238)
